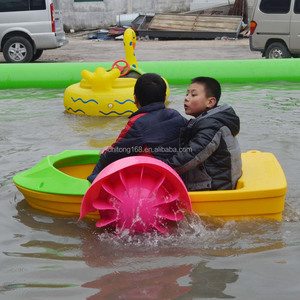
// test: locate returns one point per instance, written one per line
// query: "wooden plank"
(197, 23)
(159, 22)
(199, 29)
(155, 21)
(194, 23)
(192, 17)
(198, 26)
(179, 20)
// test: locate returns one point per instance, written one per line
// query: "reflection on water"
(157, 266)
(90, 244)
(105, 251)
(206, 282)
(160, 283)
(174, 282)
(109, 127)
(43, 254)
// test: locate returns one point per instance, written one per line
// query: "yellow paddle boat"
(58, 183)
(107, 93)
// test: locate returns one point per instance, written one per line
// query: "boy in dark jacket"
(209, 156)
(151, 130)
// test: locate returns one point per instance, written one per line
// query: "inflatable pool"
(58, 183)
(61, 75)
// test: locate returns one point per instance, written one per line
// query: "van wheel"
(18, 50)
(37, 54)
(277, 50)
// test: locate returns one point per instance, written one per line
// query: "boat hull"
(260, 192)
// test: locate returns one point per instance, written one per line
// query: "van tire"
(18, 50)
(37, 54)
(277, 50)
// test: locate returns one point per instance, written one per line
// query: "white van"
(27, 27)
(275, 28)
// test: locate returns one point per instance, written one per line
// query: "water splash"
(208, 238)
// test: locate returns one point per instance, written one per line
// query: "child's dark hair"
(212, 87)
(150, 88)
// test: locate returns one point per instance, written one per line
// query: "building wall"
(90, 15)
(202, 4)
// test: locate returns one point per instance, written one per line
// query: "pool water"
(44, 256)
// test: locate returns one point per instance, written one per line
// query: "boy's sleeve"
(196, 151)
(129, 142)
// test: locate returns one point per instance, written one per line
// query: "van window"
(21, 5)
(275, 6)
(37, 4)
(13, 5)
(297, 7)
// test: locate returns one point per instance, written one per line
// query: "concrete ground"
(80, 49)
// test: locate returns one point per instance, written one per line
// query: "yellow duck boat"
(58, 183)
(107, 93)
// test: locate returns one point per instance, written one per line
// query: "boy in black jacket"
(209, 156)
(151, 130)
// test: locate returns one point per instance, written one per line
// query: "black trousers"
(98, 168)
